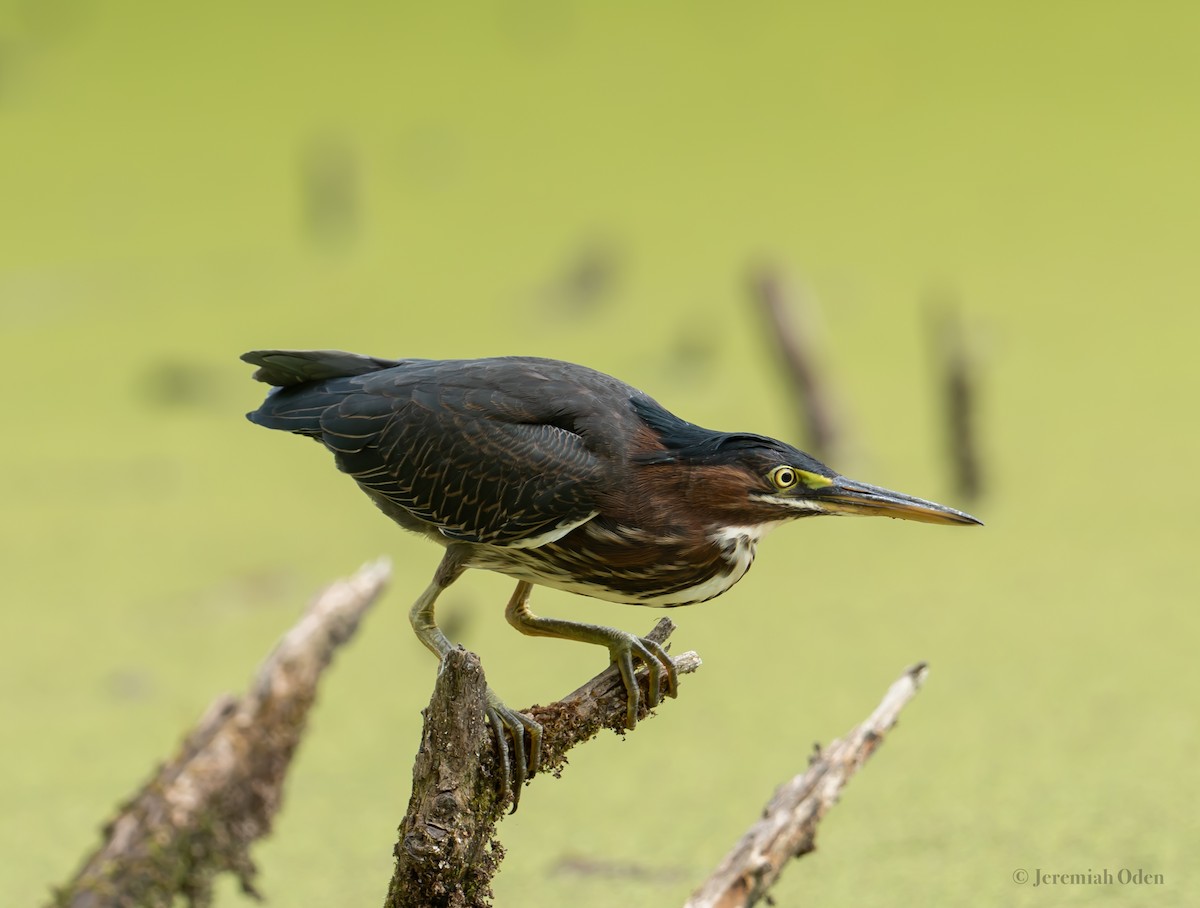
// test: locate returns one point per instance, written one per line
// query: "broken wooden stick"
(788, 826)
(200, 812)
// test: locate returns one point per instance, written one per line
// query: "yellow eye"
(783, 477)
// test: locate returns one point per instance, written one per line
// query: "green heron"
(556, 474)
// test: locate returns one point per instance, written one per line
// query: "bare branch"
(788, 826)
(447, 852)
(198, 815)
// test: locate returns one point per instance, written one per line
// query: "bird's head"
(752, 479)
(777, 482)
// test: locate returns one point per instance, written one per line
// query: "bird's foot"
(663, 678)
(515, 766)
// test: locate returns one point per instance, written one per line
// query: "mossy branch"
(447, 851)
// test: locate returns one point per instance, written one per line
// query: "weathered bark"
(447, 852)
(200, 812)
(788, 826)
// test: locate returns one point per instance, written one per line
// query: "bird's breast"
(629, 565)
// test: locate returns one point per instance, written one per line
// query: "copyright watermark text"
(1124, 876)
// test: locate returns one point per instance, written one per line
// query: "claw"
(659, 668)
(672, 686)
(514, 766)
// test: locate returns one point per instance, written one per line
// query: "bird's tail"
(306, 383)
(285, 368)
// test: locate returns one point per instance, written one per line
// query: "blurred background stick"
(957, 376)
(198, 815)
(447, 852)
(782, 310)
(788, 826)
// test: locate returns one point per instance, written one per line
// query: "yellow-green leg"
(514, 765)
(623, 647)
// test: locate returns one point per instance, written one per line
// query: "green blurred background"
(591, 182)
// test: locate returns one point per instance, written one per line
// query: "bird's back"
(505, 451)
(516, 389)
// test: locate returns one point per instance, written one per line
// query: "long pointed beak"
(845, 496)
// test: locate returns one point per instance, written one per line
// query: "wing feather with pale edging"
(481, 464)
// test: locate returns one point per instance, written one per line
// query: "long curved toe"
(521, 761)
(662, 676)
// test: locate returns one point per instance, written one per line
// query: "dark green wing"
(484, 450)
